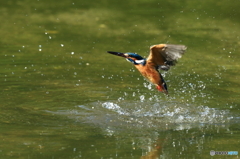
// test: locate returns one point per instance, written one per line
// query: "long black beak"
(117, 53)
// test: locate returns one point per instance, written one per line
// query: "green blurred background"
(63, 96)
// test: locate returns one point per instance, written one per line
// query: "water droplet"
(142, 97)
(134, 94)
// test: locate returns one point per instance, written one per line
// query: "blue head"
(135, 58)
(131, 57)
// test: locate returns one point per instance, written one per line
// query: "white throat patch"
(139, 61)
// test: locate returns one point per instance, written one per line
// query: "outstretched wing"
(165, 55)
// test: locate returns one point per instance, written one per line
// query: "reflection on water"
(158, 129)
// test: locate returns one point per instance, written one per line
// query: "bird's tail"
(162, 88)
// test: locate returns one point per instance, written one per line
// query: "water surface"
(63, 96)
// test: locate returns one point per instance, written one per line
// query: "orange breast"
(150, 73)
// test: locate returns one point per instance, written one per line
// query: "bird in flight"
(161, 57)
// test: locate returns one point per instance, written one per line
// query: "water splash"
(168, 112)
(123, 115)
(146, 115)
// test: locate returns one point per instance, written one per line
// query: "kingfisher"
(161, 57)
